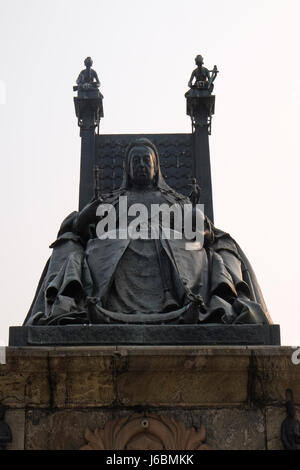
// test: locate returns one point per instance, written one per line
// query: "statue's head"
(88, 62)
(199, 60)
(141, 161)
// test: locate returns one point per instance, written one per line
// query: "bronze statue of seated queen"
(96, 279)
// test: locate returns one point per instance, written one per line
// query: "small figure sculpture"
(203, 77)
(290, 428)
(88, 78)
(87, 88)
(195, 193)
(200, 74)
(5, 431)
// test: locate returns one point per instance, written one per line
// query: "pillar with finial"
(89, 111)
(200, 108)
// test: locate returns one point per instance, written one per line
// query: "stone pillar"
(200, 107)
(88, 111)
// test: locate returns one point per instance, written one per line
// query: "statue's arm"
(209, 237)
(96, 78)
(86, 217)
(79, 79)
(190, 84)
(68, 224)
(205, 225)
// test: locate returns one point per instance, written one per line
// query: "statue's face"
(142, 166)
(88, 62)
(199, 60)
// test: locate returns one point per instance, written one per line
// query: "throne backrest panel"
(175, 151)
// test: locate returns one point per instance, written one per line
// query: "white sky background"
(144, 54)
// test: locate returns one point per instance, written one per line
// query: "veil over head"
(159, 180)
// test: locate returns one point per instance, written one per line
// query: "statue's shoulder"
(173, 196)
(80, 76)
(68, 223)
(109, 198)
(224, 241)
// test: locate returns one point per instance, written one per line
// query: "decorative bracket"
(89, 112)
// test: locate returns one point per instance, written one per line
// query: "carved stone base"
(147, 397)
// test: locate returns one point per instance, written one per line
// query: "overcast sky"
(144, 54)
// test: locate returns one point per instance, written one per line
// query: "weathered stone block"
(235, 429)
(274, 373)
(60, 430)
(82, 380)
(16, 421)
(274, 418)
(183, 377)
(24, 379)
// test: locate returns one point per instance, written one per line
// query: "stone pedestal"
(145, 335)
(221, 397)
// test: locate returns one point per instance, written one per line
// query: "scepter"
(214, 72)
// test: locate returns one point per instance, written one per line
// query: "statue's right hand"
(68, 224)
(86, 217)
